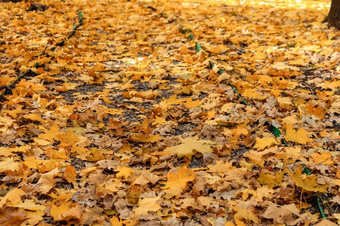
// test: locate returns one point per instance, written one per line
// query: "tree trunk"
(333, 17)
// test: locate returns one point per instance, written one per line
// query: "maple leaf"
(282, 214)
(146, 205)
(271, 180)
(142, 138)
(70, 174)
(65, 211)
(189, 145)
(12, 216)
(324, 157)
(326, 222)
(221, 167)
(124, 172)
(262, 143)
(9, 165)
(300, 136)
(290, 153)
(115, 221)
(244, 214)
(46, 181)
(50, 134)
(180, 179)
(29, 204)
(113, 185)
(67, 139)
(13, 197)
(307, 182)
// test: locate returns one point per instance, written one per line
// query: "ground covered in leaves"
(169, 113)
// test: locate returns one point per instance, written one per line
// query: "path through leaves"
(169, 113)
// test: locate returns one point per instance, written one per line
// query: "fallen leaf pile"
(169, 113)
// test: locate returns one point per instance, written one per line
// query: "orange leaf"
(142, 138)
(70, 174)
(181, 178)
(66, 211)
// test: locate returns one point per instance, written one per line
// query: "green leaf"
(198, 47)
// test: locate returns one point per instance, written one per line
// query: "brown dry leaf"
(325, 222)
(47, 181)
(12, 216)
(282, 214)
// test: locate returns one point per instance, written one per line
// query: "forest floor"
(169, 113)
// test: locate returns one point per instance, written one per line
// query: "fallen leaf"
(180, 178)
(189, 145)
(147, 205)
(307, 182)
(300, 136)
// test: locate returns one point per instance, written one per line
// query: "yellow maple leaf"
(50, 134)
(113, 185)
(298, 62)
(67, 139)
(244, 214)
(158, 120)
(191, 104)
(12, 197)
(254, 94)
(189, 144)
(29, 204)
(124, 172)
(300, 136)
(290, 153)
(9, 165)
(271, 180)
(307, 182)
(262, 143)
(146, 205)
(285, 103)
(260, 56)
(115, 221)
(221, 167)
